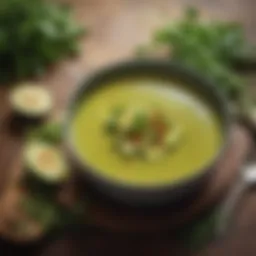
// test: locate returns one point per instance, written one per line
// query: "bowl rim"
(179, 70)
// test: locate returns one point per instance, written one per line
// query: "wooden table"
(115, 28)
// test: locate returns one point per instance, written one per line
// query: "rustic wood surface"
(115, 28)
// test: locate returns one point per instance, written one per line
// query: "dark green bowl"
(150, 195)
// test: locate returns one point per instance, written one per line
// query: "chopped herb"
(139, 122)
(50, 133)
(41, 209)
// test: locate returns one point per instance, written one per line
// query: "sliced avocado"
(46, 162)
(31, 100)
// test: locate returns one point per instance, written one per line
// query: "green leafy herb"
(210, 48)
(42, 210)
(34, 34)
(197, 234)
(51, 214)
(139, 123)
(50, 132)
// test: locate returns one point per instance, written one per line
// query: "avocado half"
(31, 100)
(46, 162)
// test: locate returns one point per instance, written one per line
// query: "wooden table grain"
(115, 28)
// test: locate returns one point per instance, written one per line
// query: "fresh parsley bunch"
(33, 35)
(211, 48)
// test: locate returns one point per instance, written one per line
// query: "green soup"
(201, 128)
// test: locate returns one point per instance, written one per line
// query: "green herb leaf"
(210, 48)
(34, 34)
(50, 132)
(139, 123)
(41, 209)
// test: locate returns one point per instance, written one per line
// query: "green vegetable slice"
(31, 100)
(46, 162)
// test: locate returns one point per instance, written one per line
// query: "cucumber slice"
(46, 162)
(31, 100)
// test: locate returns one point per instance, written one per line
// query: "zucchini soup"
(145, 131)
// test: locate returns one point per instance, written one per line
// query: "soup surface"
(199, 139)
